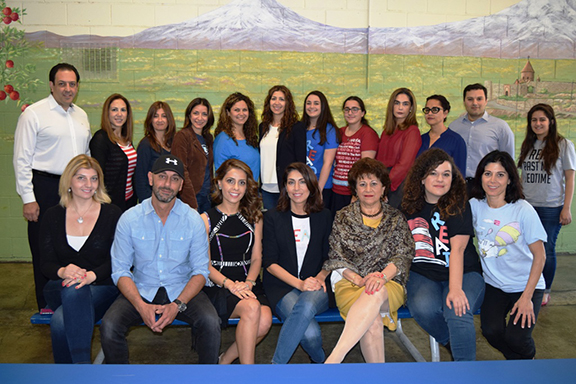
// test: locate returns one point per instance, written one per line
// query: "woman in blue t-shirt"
(445, 286)
(322, 139)
(237, 133)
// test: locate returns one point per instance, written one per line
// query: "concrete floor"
(21, 342)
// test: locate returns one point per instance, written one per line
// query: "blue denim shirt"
(162, 255)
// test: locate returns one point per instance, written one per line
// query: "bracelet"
(224, 282)
(252, 281)
(385, 278)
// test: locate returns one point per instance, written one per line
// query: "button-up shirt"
(483, 136)
(47, 137)
(163, 255)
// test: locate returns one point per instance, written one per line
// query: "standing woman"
(234, 228)
(295, 247)
(359, 140)
(439, 136)
(282, 141)
(112, 147)
(400, 140)
(159, 131)
(75, 241)
(445, 286)
(236, 133)
(193, 144)
(322, 138)
(510, 241)
(547, 160)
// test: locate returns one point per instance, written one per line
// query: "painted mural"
(524, 54)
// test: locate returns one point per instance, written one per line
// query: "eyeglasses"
(434, 110)
(353, 110)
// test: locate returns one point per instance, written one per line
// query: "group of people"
(175, 228)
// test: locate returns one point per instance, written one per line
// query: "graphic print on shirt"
(494, 245)
(348, 153)
(533, 169)
(301, 235)
(310, 156)
(432, 243)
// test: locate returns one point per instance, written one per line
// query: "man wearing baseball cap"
(165, 241)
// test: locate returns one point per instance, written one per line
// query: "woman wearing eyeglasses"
(400, 141)
(440, 136)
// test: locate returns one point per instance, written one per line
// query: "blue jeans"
(200, 314)
(269, 199)
(204, 202)
(512, 340)
(75, 313)
(427, 303)
(297, 310)
(550, 218)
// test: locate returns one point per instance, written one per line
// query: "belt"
(45, 174)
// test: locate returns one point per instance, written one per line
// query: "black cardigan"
(279, 248)
(94, 255)
(114, 164)
(290, 148)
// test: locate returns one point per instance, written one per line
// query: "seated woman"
(75, 241)
(511, 243)
(371, 249)
(440, 136)
(445, 287)
(237, 133)
(112, 147)
(234, 228)
(159, 131)
(295, 247)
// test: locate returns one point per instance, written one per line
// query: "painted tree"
(17, 79)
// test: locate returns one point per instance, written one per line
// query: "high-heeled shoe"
(546, 299)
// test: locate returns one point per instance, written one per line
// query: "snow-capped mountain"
(536, 28)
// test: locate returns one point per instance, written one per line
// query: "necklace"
(373, 215)
(80, 219)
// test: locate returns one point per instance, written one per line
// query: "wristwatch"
(181, 306)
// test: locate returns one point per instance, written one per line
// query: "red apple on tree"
(9, 64)
(14, 95)
(2, 95)
(8, 88)
(14, 16)
(7, 11)
(24, 107)
(7, 20)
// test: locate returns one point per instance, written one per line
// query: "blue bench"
(330, 316)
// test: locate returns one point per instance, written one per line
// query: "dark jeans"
(512, 340)
(200, 314)
(338, 202)
(269, 199)
(204, 202)
(550, 218)
(46, 193)
(75, 313)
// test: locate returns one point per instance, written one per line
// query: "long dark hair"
(127, 128)
(324, 118)
(209, 122)
(551, 150)
(513, 189)
(314, 202)
(414, 198)
(390, 121)
(149, 129)
(290, 116)
(250, 127)
(362, 107)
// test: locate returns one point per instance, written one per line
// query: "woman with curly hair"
(323, 138)
(400, 141)
(234, 228)
(112, 147)
(295, 247)
(282, 141)
(159, 131)
(445, 286)
(548, 160)
(236, 133)
(193, 144)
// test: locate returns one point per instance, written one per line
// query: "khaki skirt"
(346, 295)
